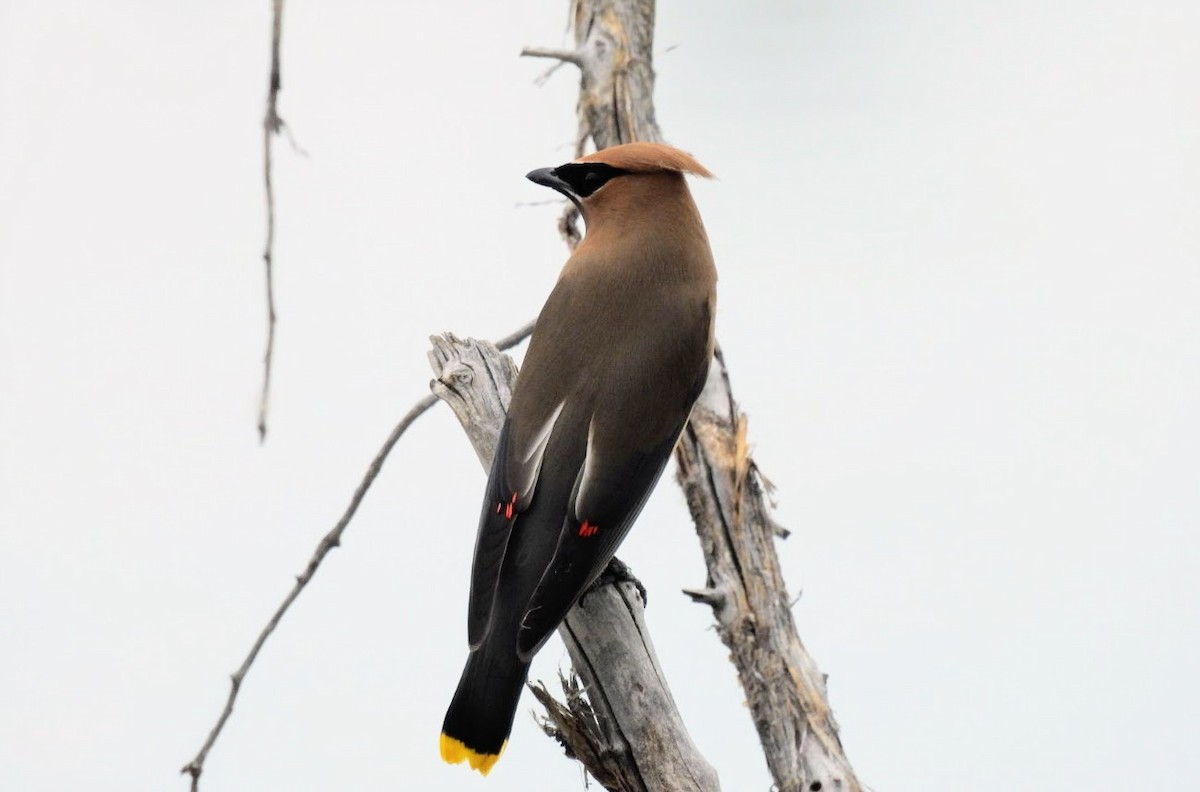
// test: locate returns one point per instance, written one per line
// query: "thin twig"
(561, 55)
(528, 204)
(291, 139)
(331, 540)
(517, 336)
(327, 543)
(272, 124)
(545, 76)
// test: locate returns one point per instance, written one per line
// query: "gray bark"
(784, 688)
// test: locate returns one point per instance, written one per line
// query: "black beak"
(548, 178)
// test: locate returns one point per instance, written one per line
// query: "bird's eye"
(593, 179)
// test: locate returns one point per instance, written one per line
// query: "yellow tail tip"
(455, 751)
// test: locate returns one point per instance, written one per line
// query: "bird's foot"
(616, 572)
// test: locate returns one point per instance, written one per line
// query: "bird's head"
(615, 174)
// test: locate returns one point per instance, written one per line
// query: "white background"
(960, 270)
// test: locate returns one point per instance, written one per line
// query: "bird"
(619, 354)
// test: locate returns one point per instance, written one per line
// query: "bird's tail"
(481, 714)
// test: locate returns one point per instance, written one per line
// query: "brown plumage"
(646, 158)
(618, 357)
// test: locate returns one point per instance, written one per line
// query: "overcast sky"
(960, 276)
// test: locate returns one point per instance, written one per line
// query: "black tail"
(481, 715)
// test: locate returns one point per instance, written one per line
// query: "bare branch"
(784, 688)
(565, 56)
(516, 337)
(545, 76)
(328, 542)
(709, 596)
(271, 124)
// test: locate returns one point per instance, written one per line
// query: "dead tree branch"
(784, 687)
(328, 542)
(574, 726)
(271, 124)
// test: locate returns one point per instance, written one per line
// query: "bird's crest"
(647, 157)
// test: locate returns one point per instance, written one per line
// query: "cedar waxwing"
(618, 357)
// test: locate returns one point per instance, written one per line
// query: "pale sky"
(960, 270)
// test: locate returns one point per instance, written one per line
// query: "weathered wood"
(476, 381)
(615, 39)
(784, 687)
(631, 737)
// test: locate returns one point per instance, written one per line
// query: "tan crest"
(646, 158)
